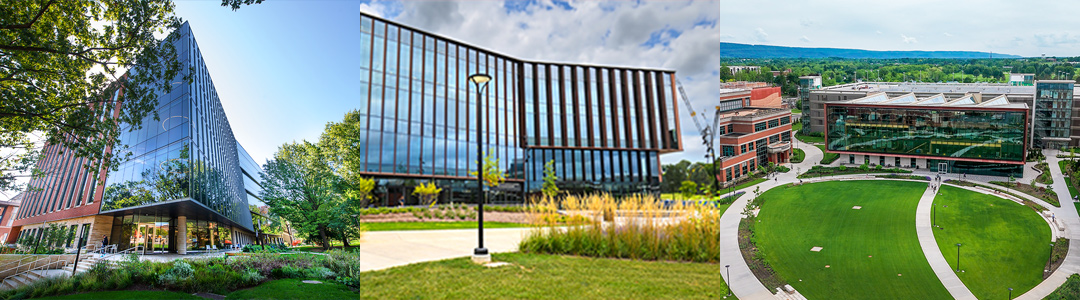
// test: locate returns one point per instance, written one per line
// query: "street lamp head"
(727, 266)
(479, 78)
(958, 244)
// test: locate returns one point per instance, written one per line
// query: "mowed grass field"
(1003, 243)
(872, 253)
(542, 276)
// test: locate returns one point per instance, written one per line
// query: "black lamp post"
(478, 79)
(728, 268)
(958, 257)
(1010, 293)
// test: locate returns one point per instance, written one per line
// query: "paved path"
(386, 249)
(925, 231)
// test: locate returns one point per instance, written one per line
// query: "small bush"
(180, 271)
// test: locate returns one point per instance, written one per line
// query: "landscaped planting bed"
(819, 171)
(1045, 194)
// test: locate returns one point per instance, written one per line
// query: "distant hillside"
(733, 50)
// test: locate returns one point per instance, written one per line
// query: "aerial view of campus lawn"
(867, 253)
(1003, 244)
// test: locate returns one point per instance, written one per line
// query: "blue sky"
(283, 69)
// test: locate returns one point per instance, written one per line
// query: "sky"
(283, 69)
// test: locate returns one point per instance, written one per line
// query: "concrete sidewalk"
(385, 249)
(925, 231)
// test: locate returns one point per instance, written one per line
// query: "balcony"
(779, 147)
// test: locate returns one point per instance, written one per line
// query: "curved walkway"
(745, 285)
(925, 231)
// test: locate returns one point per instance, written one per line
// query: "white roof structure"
(939, 100)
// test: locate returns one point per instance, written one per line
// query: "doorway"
(943, 168)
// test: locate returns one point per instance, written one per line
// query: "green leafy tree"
(61, 65)
(299, 186)
(688, 189)
(345, 153)
(674, 175)
(550, 189)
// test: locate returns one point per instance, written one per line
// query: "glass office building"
(183, 187)
(1053, 113)
(603, 127)
(959, 136)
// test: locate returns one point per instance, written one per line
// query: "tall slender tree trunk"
(323, 238)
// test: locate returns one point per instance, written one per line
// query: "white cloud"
(804, 39)
(593, 32)
(878, 32)
(761, 35)
(946, 34)
(908, 39)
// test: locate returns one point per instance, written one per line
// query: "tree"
(340, 142)
(550, 189)
(688, 189)
(428, 193)
(673, 176)
(62, 67)
(493, 175)
(299, 185)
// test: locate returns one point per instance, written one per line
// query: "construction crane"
(707, 133)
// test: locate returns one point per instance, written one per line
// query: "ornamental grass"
(634, 227)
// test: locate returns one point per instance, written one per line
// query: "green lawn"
(796, 111)
(537, 276)
(829, 157)
(109, 295)
(809, 139)
(797, 155)
(794, 219)
(796, 126)
(390, 226)
(1003, 243)
(295, 289)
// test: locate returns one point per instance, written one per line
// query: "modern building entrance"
(943, 168)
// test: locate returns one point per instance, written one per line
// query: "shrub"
(180, 271)
(345, 265)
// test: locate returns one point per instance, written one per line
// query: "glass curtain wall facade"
(419, 112)
(984, 138)
(1052, 114)
(190, 153)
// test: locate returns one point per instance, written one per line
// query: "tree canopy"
(62, 67)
